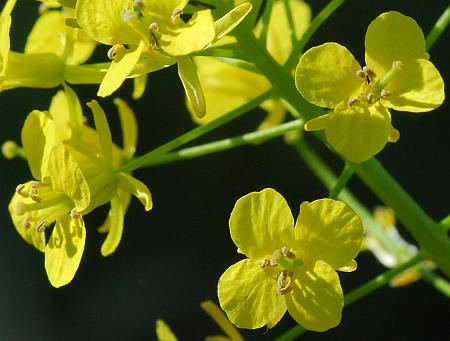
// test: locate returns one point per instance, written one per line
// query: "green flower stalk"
(149, 35)
(289, 267)
(74, 170)
(226, 86)
(397, 75)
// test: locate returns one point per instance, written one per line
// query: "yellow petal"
(226, 87)
(317, 123)
(102, 20)
(326, 75)
(359, 132)
(192, 87)
(119, 70)
(114, 222)
(38, 136)
(221, 320)
(163, 332)
(8, 7)
(129, 127)
(391, 37)
(248, 295)
(229, 21)
(328, 230)
(316, 299)
(349, 267)
(278, 43)
(67, 177)
(64, 250)
(133, 186)
(260, 223)
(102, 127)
(140, 83)
(67, 114)
(48, 34)
(190, 37)
(418, 88)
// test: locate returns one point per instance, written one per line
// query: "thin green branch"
(436, 281)
(291, 23)
(446, 223)
(217, 146)
(345, 176)
(319, 19)
(266, 21)
(195, 133)
(438, 28)
(365, 289)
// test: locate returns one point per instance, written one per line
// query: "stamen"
(398, 65)
(284, 283)
(176, 15)
(361, 74)
(128, 15)
(19, 190)
(138, 3)
(40, 226)
(154, 27)
(370, 97)
(33, 194)
(385, 93)
(264, 264)
(116, 51)
(369, 72)
(352, 101)
(26, 222)
(74, 214)
(20, 208)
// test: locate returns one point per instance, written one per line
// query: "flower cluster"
(75, 170)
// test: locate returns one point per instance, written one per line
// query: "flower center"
(286, 262)
(373, 90)
(41, 206)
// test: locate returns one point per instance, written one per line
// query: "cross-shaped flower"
(289, 267)
(397, 75)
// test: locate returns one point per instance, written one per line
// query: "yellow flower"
(53, 52)
(289, 267)
(397, 75)
(227, 87)
(148, 35)
(75, 171)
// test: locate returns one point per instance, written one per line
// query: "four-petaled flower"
(397, 75)
(289, 268)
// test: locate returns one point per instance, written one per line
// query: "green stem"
(195, 133)
(345, 176)
(217, 146)
(438, 28)
(266, 21)
(329, 179)
(291, 23)
(360, 292)
(446, 223)
(318, 20)
(437, 282)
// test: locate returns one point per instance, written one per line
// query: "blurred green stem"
(360, 292)
(438, 28)
(218, 146)
(345, 176)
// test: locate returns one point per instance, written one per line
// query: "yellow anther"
(19, 190)
(176, 15)
(284, 283)
(116, 51)
(40, 226)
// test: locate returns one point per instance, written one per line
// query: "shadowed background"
(170, 259)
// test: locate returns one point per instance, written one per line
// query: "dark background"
(170, 259)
